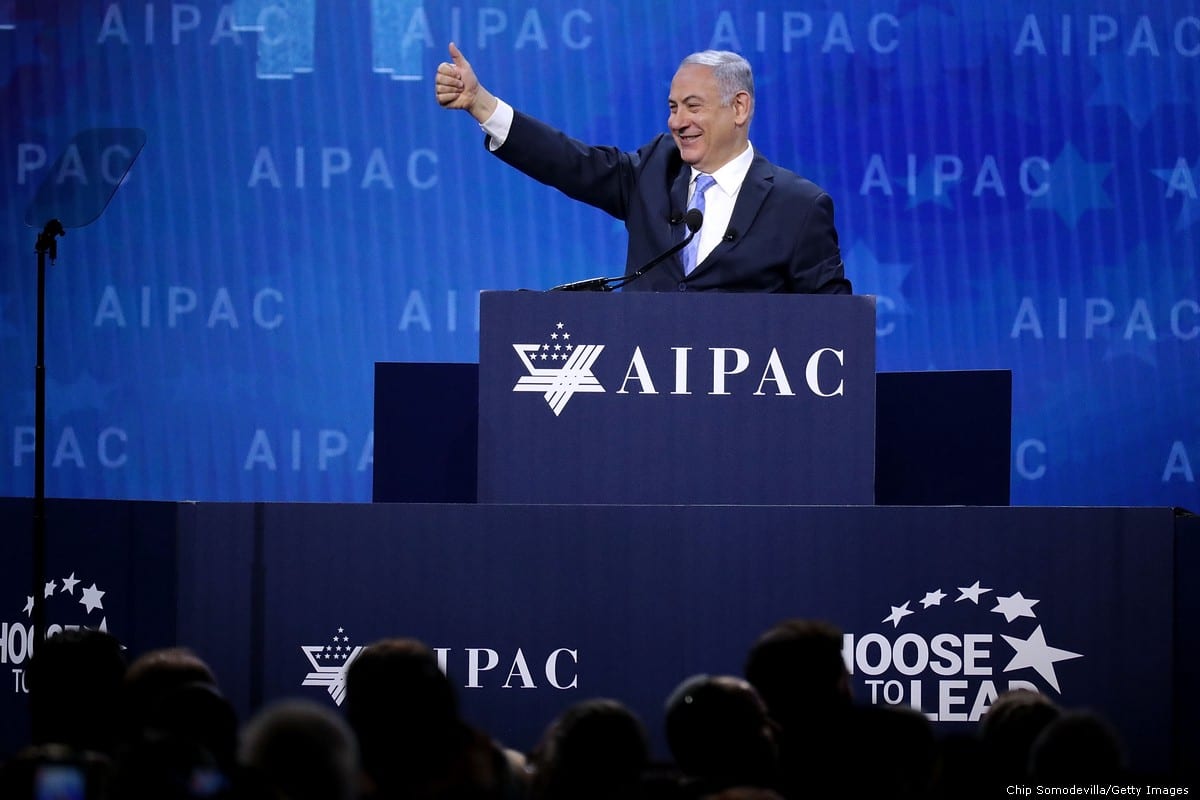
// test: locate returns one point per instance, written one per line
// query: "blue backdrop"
(1017, 184)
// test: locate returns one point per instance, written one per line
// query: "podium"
(688, 399)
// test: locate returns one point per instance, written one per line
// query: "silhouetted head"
(719, 732)
(897, 747)
(303, 751)
(403, 710)
(1078, 746)
(200, 714)
(597, 748)
(74, 683)
(798, 670)
(1009, 728)
(156, 674)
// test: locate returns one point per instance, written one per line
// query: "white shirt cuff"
(498, 125)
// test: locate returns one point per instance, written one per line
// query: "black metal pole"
(46, 245)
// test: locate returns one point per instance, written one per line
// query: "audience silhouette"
(299, 750)
(720, 736)
(74, 683)
(595, 750)
(413, 742)
(162, 730)
(1008, 731)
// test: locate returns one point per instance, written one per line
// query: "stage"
(532, 608)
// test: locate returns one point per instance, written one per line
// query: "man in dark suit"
(765, 229)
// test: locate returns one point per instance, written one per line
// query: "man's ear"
(741, 107)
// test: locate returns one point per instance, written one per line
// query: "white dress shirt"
(719, 200)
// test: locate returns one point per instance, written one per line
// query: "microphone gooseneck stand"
(693, 220)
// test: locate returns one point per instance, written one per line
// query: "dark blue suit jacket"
(781, 237)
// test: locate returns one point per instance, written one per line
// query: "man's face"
(708, 134)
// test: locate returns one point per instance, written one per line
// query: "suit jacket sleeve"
(816, 265)
(604, 177)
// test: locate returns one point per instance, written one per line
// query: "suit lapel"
(755, 188)
(679, 191)
(678, 205)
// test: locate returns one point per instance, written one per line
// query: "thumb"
(457, 57)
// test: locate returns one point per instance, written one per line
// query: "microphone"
(730, 235)
(694, 218)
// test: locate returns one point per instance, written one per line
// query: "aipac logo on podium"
(558, 384)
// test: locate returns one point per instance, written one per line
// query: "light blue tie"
(703, 183)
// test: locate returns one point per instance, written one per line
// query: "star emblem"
(1073, 186)
(91, 598)
(898, 613)
(338, 657)
(1014, 606)
(879, 278)
(933, 598)
(1138, 86)
(28, 606)
(971, 593)
(48, 591)
(1036, 654)
(68, 584)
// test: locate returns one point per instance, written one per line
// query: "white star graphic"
(971, 593)
(933, 598)
(1015, 606)
(1034, 652)
(91, 598)
(49, 590)
(559, 326)
(341, 630)
(566, 335)
(69, 584)
(897, 615)
(28, 609)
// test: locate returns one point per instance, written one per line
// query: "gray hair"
(732, 72)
